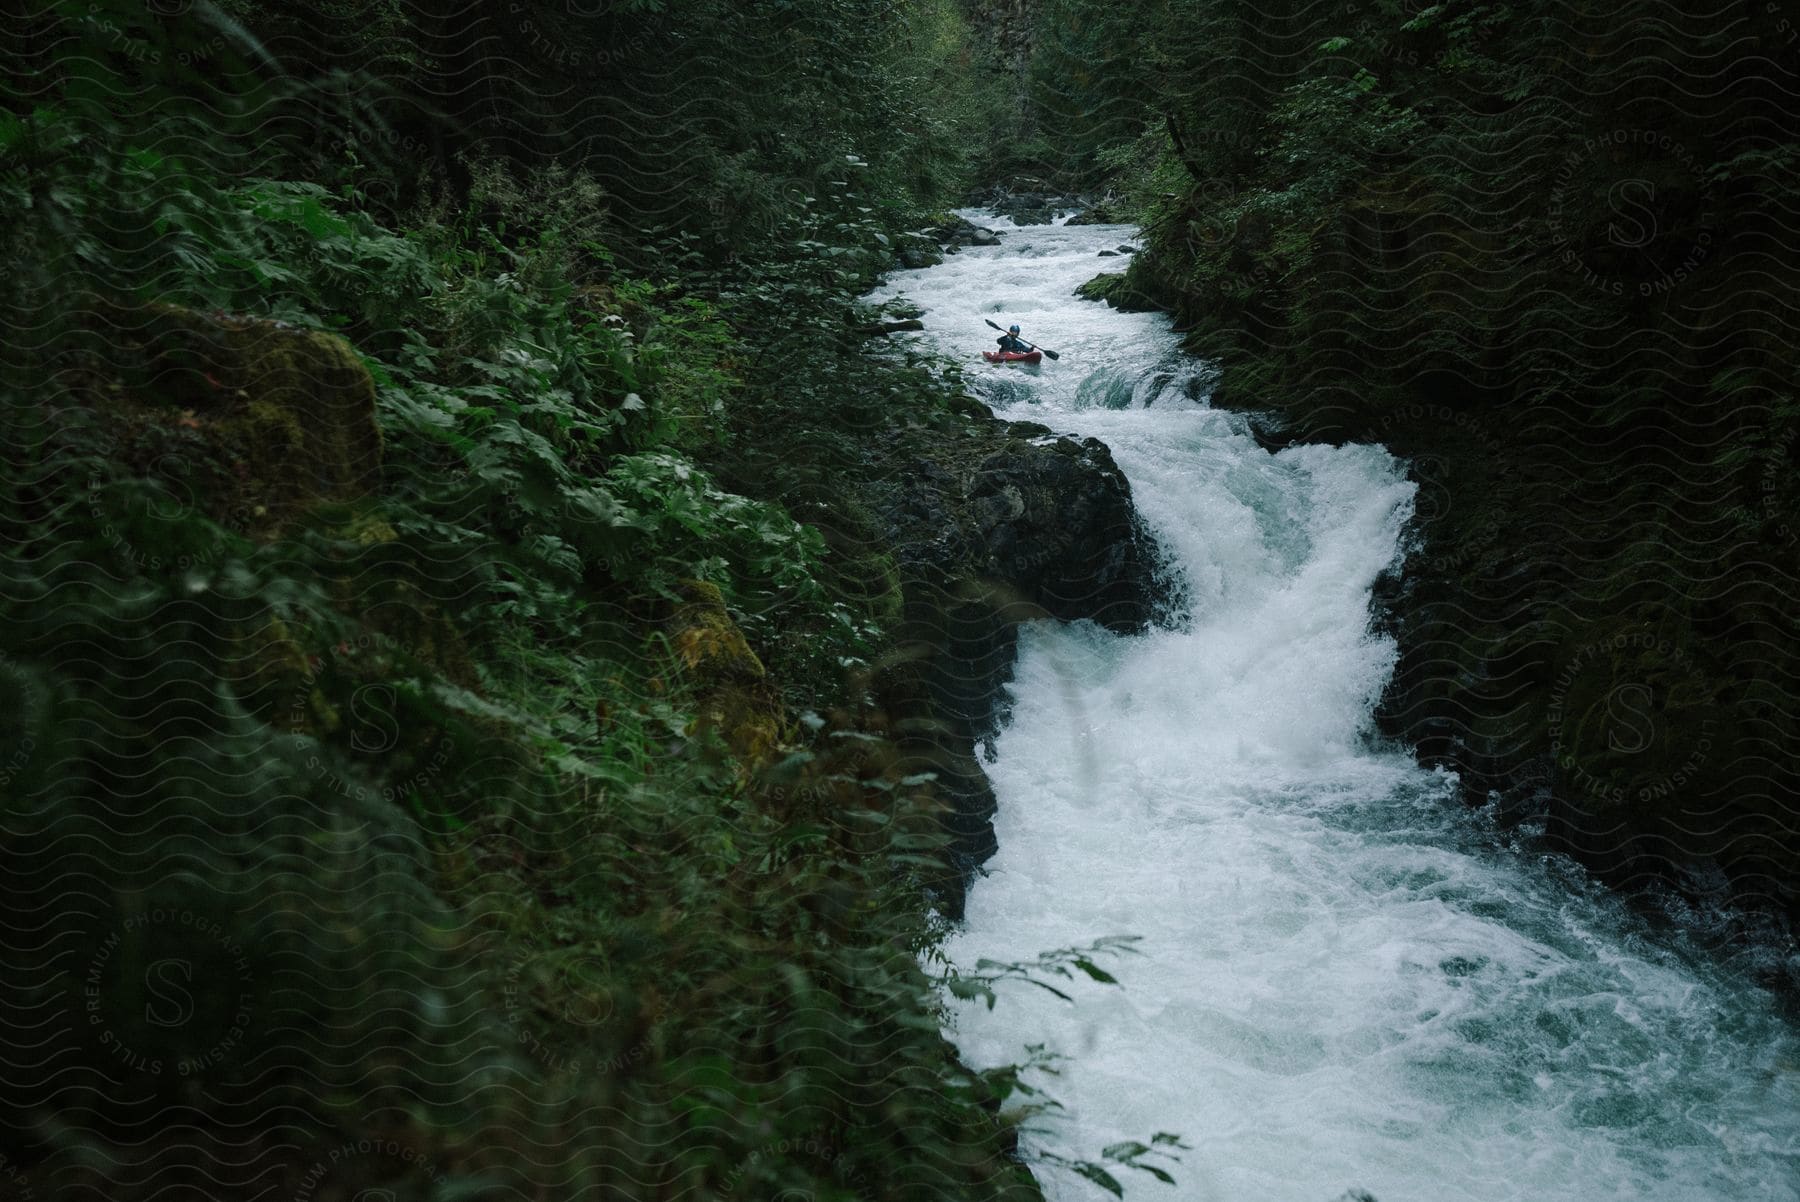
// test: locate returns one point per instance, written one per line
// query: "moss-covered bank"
(493, 664)
(435, 764)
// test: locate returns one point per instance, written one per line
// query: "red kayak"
(1013, 356)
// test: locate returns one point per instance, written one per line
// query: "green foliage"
(1061, 962)
(1022, 1099)
(711, 120)
(456, 818)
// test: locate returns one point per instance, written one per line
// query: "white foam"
(1343, 984)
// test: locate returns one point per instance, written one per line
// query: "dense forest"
(439, 761)
(490, 713)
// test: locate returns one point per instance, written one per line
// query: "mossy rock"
(276, 681)
(1102, 286)
(1118, 289)
(709, 644)
(733, 698)
(287, 415)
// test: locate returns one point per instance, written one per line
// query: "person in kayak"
(1010, 341)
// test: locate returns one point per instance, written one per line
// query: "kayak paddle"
(1045, 349)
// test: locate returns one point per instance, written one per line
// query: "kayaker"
(1010, 341)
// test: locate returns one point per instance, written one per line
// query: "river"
(1345, 978)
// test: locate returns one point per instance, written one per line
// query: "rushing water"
(1344, 980)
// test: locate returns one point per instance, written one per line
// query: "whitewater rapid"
(1345, 979)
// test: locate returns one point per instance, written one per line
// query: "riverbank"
(466, 738)
(449, 742)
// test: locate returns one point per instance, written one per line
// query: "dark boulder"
(1026, 202)
(896, 326)
(990, 526)
(1056, 530)
(915, 255)
(956, 232)
(1101, 213)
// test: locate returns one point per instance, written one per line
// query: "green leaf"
(799, 833)
(970, 988)
(1101, 1178)
(1425, 20)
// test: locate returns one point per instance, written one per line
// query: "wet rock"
(1026, 202)
(1109, 254)
(913, 260)
(997, 524)
(1102, 213)
(918, 253)
(1101, 286)
(1122, 290)
(955, 232)
(891, 327)
(1057, 532)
